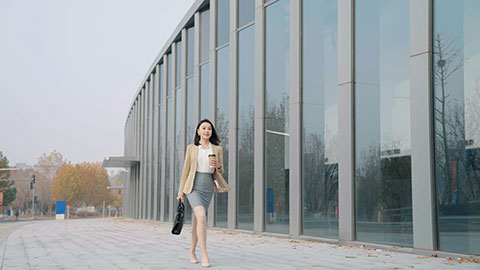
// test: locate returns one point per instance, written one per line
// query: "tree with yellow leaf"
(66, 185)
(82, 184)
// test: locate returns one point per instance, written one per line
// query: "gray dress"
(202, 190)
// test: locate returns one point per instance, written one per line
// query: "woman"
(201, 176)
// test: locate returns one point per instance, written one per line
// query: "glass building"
(340, 120)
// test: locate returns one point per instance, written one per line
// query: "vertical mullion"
(163, 137)
(183, 131)
(173, 97)
(295, 119)
(421, 117)
(212, 88)
(259, 155)
(346, 188)
(232, 134)
(196, 70)
(156, 124)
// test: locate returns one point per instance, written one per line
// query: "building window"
(320, 118)
(190, 45)
(246, 12)
(190, 128)
(223, 22)
(277, 96)
(160, 135)
(383, 195)
(222, 121)
(204, 35)
(456, 80)
(246, 138)
(204, 91)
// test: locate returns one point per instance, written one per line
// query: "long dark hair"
(213, 139)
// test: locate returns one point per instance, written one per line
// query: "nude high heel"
(205, 264)
(193, 259)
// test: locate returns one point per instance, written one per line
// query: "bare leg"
(202, 232)
(193, 257)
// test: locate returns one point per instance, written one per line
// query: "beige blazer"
(190, 168)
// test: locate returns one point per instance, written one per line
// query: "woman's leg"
(202, 232)
(193, 257)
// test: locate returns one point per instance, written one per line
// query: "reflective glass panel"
(204, 35)
(160, 135)
(223, 22)
(146, 142)
(246, 12)
(151, 147)
(145, 178)
(383, 192)
(178, 73)
(189, 135)
(277, 171)
(167, 156)
(456, 78)
(320, 120)
(223, 103)
(245, 147)
(169, 75)
(190, 46)
(178, 138)
(204, 91)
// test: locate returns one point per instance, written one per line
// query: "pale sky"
(69, 70)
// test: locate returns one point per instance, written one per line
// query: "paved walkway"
(131, 244)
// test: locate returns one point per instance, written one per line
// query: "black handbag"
(178, 222)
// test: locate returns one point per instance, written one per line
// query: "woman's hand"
(213, 163)
(180, 197)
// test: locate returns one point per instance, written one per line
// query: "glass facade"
(151, 146)
(167, 157)
(456, 79)
(277, 95)
(378, 70)
(179, 109)
(383, 194)
(204, 91)
(246, 136)
(222, 125)
(246, 12)
(161, 101)
(190, 133)
(178, 56)
(320, 118)
(204, 35)
(223, 22)
(169, 75)
(190, 49)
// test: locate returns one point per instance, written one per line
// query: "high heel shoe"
(193, 259)
(205, 264)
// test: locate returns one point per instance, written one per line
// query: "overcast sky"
(69, 70)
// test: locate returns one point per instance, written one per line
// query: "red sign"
(1, 198)
(454, 175)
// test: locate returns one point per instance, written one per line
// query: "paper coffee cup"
(212, 157)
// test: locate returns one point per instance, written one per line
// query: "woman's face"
(205, 131)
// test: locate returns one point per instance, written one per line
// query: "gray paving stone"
(132, 244)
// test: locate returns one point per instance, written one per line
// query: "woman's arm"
(185, 171)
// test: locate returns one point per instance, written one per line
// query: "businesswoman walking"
(201, 176)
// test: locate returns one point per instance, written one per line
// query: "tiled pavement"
(132, 244)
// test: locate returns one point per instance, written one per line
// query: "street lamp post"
(33, 195)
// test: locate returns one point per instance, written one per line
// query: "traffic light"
(31, 185)
(33, 178)
(35, 199)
